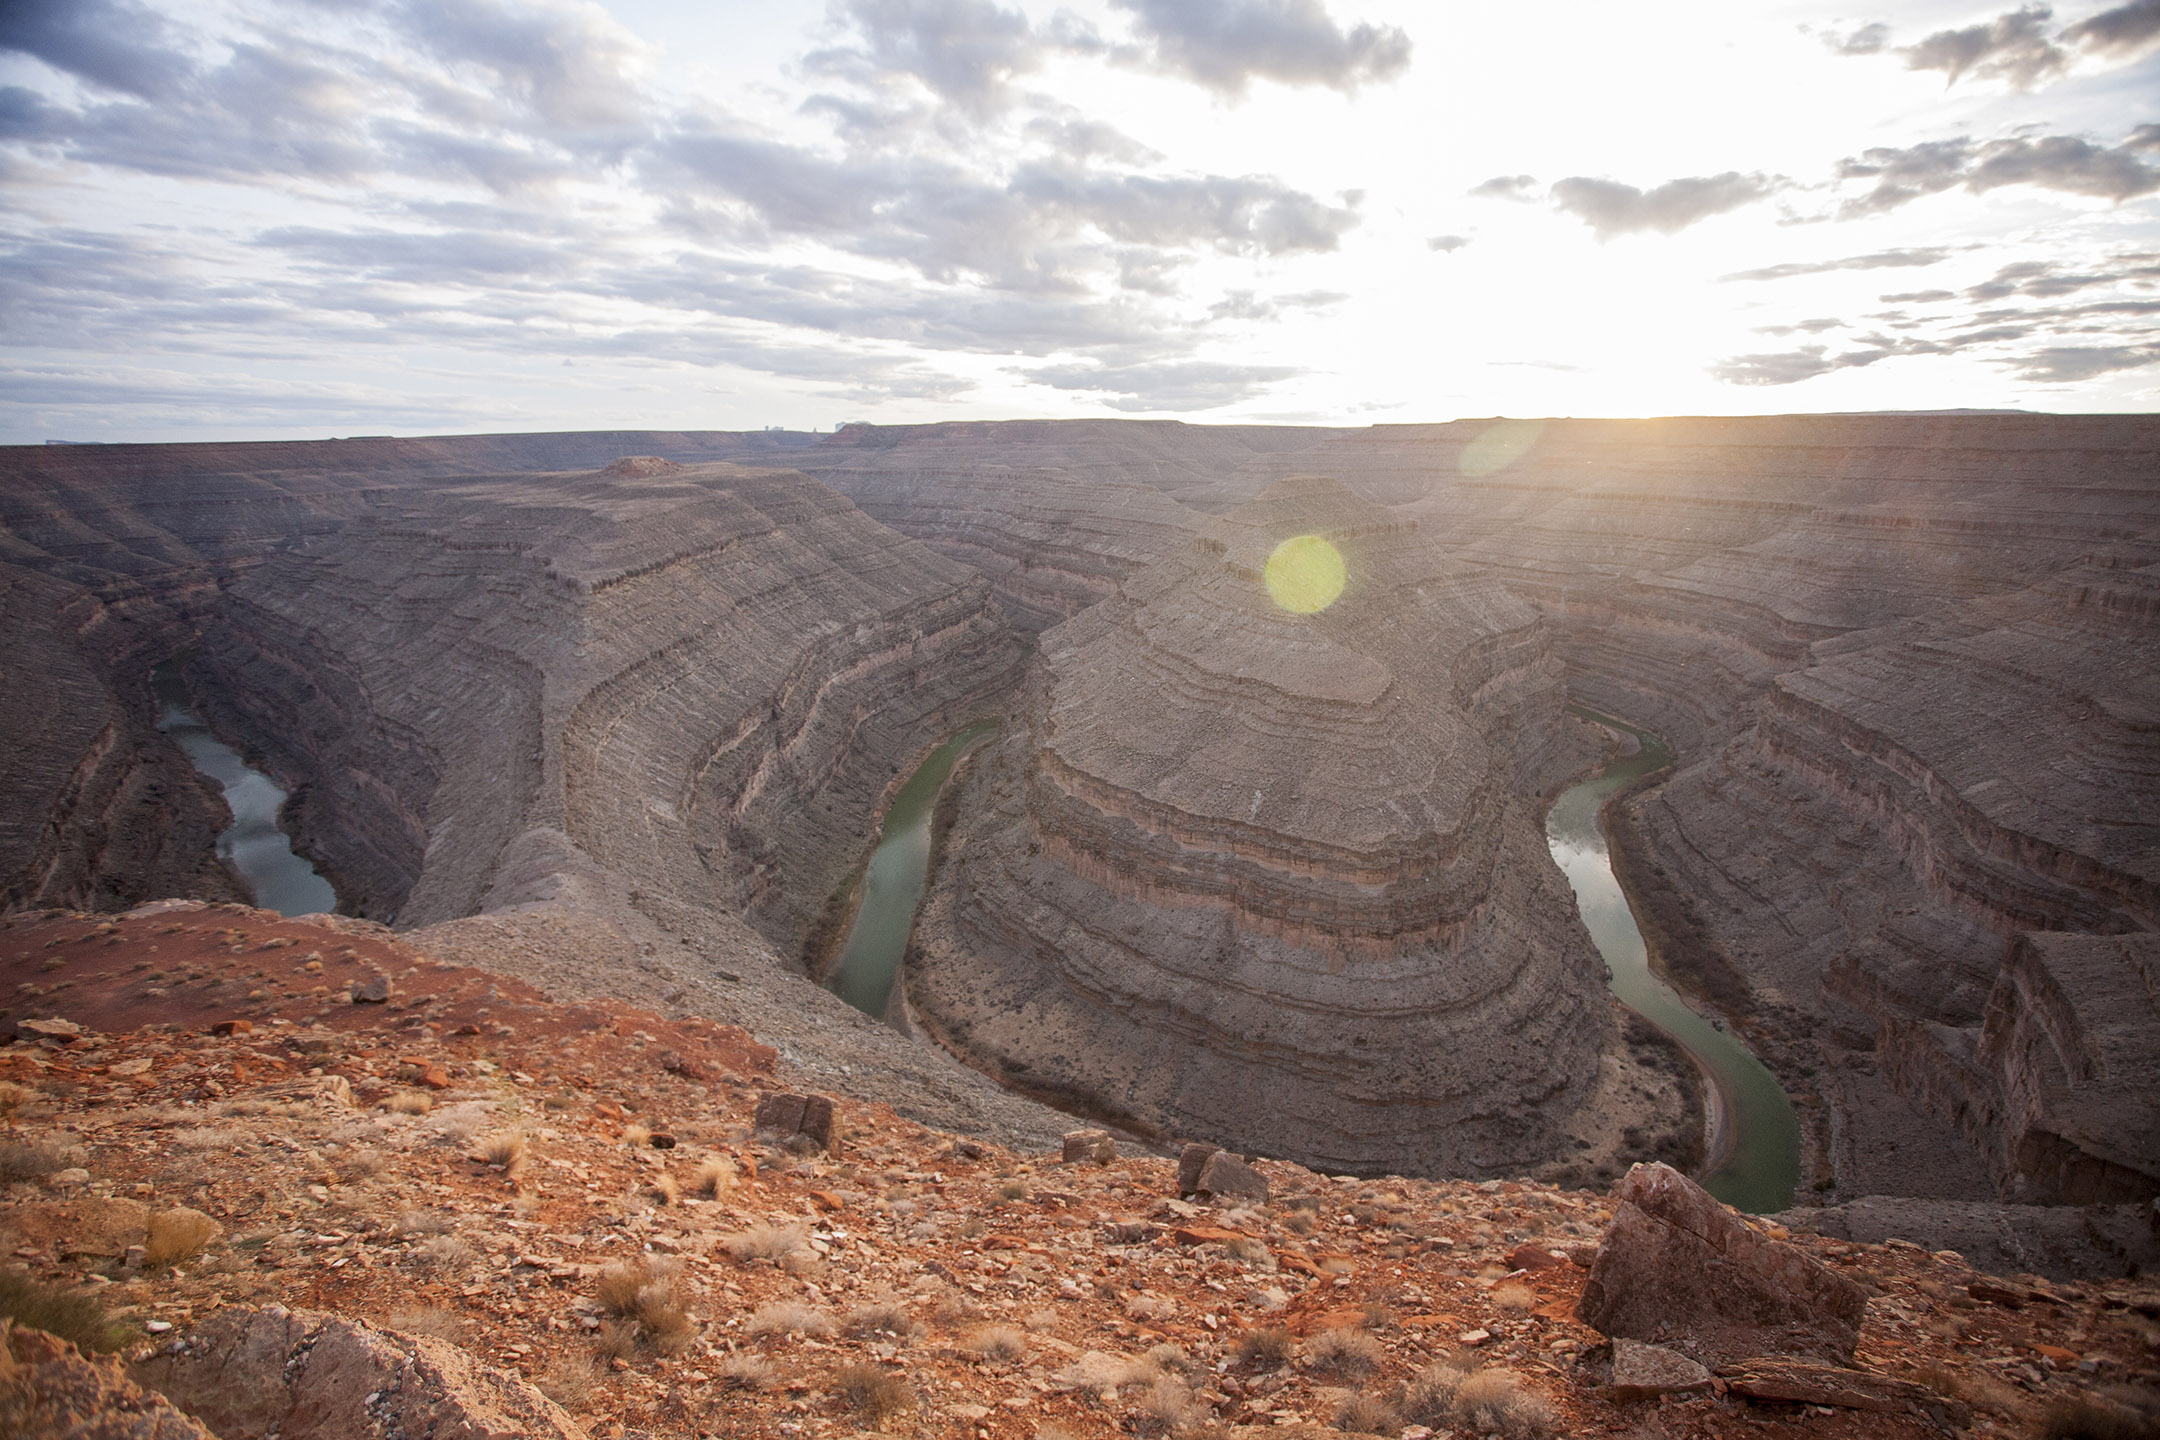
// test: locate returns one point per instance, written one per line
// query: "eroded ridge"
(1271, 878)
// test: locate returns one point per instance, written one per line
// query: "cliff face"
(1268, 878)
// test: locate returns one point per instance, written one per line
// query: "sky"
(257, 219)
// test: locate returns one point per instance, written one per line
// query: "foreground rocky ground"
(213, 1110)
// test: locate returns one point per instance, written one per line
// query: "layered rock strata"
(1268, 879)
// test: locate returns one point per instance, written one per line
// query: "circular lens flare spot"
(1305, 574)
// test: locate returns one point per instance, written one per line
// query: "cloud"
(111, 44)
(1505, 187)
(1182, 385)
(1446, 244)
(1224, 45)
(1611, 208)
(1880, 260)
(2014, 47)
(1918, 297)
(1867, 40)
(2123, 31)
(1790, 367)
(964, 51)
(2066, 163)
(2068, 364)
(1245, 305)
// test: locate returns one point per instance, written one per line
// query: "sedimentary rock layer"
(1271, 879)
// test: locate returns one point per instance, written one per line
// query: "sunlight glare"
(1305, 574)
(1499, 446)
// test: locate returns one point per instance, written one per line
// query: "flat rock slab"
(1805, 1382)
(1677, 1268)
(1227, 1176)
(246, 1372)
(50, 1391)
(1644, 1372)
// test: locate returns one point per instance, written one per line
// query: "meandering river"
(892, 884)
(258, 851)
(1754, 1135)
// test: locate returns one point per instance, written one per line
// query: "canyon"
(627, 706)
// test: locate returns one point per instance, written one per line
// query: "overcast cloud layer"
(294, 217)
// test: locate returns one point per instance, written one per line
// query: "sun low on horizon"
(290, 220)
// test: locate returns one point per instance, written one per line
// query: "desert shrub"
(1493, 1402)
(1342, 1354)
(643, 1295)
(1379, 1315)
(409, 1102)
(667, 1187)
(1171, 1359)
(447, 1252)
(1300, 1222)
(1013, 1190)
(178, 1234)
(880, 1319)
(790, 1317)
(77, 1315)
(874, 1393)
(1245, 1248)
(1363, 1414)
(571, 1381)
(362, 1165)
(424, 1222)
(616, 1340)
(996, 1342)
(1167, 1407)
(637, 1136)
(743, 1372)
(1150, 1307)
(13, 1097)
(507, 1149)
(1430, 1397)
(715, 1176)
(1268, 1347)
(764, 1242)
(29, 1160)
(2088, 1417)
(1515, 1299)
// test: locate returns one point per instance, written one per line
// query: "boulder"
(1226, 1176)
(375, 990)
(1644, 1372)
(789, 1114)
(50, 1391)
(246, 1372)
(1190, 1161)
(1807, 1382)
(1677, 1268)
(53, 1028)
(1095, 1145)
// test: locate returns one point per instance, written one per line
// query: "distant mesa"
(640, 467)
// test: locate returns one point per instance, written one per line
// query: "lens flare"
(1305, 574)
(1499, 446)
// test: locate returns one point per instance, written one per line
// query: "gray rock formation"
(1271, 878)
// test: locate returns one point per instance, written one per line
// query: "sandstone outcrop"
(1680, 1270)
(273, 1371)
(50, 1391)
(1237, 852)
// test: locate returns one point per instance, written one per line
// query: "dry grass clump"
(1013, 1190)
(1363, 1414)
(1149, 1307)
(789, 1317)
(667, 1187)
(424, 1222)
(715, 1176)
(1268, 1347)
(1515, 1299)
(362, 1165)
(1171, 1359)
(77, 1315)
(637, 1135)
(409, 1102)
(506, 1149)
(571, 1381)
(2089, 1417)
(764, 1242)
(1342, 1354)
(996, 1342)
(1300, 1222)
(1493, 1402)
(871, 1392)
(1429, 1399)
(448, 1252)
(29, 1160)
(178, 1234)
(1246, 1249)
(1168, 1408)
(743, 1372)
(880, 1318)
(643, 1294)
(429, 1320)
(12, 1098)
(1976, 1388)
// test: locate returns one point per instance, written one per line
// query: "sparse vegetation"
(12, 1098)
(764, 1242)
(29, 1160)
(743, 1372)
(880, 1319)
(643, 1294)
(1430, 1397)
(571, 1381)
(637, 1135)
(409, 1102)
(430, 1320)
(1342, 1354)
(1168, 1407)
(448, 1252)
(1269, 1347)
(789, 1317)
(997, 1342)
(715, 1176)
(872, 1392)
(1494, 1402)
(505, 1149)
(1514, 1299)
(1013, 1190)
(1363, 1414)
(77, 1315)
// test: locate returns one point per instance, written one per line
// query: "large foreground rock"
(273, 1371)
(49, 1390)
(1678, 1269)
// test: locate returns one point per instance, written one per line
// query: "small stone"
(375, 990)
(661, 1140)
(157, 1327)
(1530, 1257)
(1644, 1372)
(233, 1027)
(1081, 1145)
(1474, 1338)
(54, 1028)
